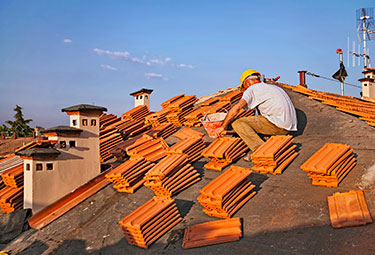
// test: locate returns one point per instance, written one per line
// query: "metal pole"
(342, 83)
(364, 43)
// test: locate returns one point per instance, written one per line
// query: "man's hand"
(219, 132)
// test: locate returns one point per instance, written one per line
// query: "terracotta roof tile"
(188, 133)
(11, 199)
(223, 196)
(150, 221)
(348, 209)
(192, 147)
(213, 232)
(330, 164)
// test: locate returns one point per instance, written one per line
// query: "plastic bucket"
(213, 121)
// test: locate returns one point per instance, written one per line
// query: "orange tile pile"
(274, 155)
(171, 175)
(348, 209)
(11, 199)
(214, 232)
(107, 142)
(157, 118)
(13, 177)
(11, 188)
(209, 102)
(231, 97)
(193, 119)
(244, 113)
(107, 119)
(330, 164)
(178, 118)
(137, 113)
(148, 148)
(223, 151)
(192, 147)
(129, 175)
(163, 131)
(364, 109)
(188, 133)
(150, 221)
(171, 100)
(176, 108)
(226, 194)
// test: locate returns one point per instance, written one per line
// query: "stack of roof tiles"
(209, 102)
(188, 133)
(192, 147)
(162, 131)
(214, 232)
(13, 177)
(157, 118)
(223, 151)
(107, 142)
(107, 119)
(362, 108)
(274, 155)
(137, 113)
(129, 175)
(244, 113)
(171, 175)
(226, 194)
(150, 221)
(348, 209)
(231, 97)
(11, 187)
(148, 148)
(175, 108)
(178, 118)
(193, 118)
(330, 164)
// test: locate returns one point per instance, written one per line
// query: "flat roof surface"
(288, 215)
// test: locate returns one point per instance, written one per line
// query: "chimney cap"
(141, 91)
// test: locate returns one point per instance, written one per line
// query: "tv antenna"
(366, 25)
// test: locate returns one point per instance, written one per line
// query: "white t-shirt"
(273, 103)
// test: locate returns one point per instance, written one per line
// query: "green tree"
(20, 125)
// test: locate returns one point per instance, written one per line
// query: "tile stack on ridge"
(150, 221)
(149, 148)
(171, 175)
(178, 118)
(107, 119)
(348, 209)
(364, 109)
(106, 143)
(223, 151)
(192, 147)
(210, 101)
(13, 177)
(176, 108)
(274, 155)
(193, 119)
(188, 133)
(162, 131)
(226, 194)
(330, 164)
(11, 189)
(231, 97)
(129, 175)
(137, 113)
(214, 232)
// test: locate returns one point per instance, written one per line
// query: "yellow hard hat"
(246, 74)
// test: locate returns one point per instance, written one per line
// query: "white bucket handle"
(206, 115)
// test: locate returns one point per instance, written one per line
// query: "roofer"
(275, 113)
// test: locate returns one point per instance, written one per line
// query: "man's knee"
(237, 124)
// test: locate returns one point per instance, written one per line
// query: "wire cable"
(330, 79)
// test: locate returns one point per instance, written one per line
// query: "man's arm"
(233, 112)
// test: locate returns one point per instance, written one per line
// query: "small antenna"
(366, 25)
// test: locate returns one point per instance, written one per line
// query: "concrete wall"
(71, 169)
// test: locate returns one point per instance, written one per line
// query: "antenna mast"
(365, 23)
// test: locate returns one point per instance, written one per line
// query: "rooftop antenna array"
(366, 25)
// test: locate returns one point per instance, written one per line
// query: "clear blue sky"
(55, 54)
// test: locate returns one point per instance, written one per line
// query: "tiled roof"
(83, 107)
(38, 152)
